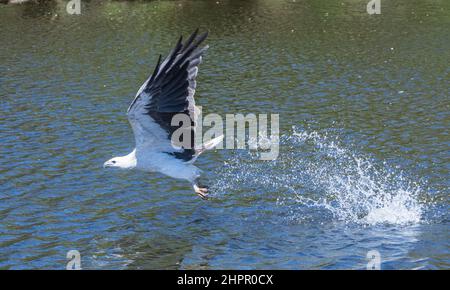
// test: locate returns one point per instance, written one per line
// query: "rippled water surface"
(364, 159)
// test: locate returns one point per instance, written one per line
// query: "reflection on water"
(365, 167)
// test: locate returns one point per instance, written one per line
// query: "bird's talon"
(201, 191)
(202, 195)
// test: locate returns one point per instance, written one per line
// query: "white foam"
(401, 209)
(316, 171)
(359, 189)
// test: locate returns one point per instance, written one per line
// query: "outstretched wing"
(167, 92)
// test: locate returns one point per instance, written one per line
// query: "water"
(364, 162)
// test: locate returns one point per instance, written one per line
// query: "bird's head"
(122, 162)
(119, 162)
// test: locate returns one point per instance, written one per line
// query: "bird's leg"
(200, 191)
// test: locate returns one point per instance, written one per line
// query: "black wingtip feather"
(190, 39)
(156, 69)
(169, 83)
(202, 37)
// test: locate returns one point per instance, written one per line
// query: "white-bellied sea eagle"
(168, 92)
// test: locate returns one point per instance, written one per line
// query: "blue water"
(364, 154)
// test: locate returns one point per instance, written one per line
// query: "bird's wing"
(167, 92)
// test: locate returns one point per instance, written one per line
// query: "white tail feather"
(206, 146)
(212, 143)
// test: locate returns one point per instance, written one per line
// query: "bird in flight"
(168, 94)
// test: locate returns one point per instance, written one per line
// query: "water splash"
(316, 177)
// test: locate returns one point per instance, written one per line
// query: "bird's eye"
(113, 162)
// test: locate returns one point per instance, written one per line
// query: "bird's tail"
(207, 146)
(212, 143)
